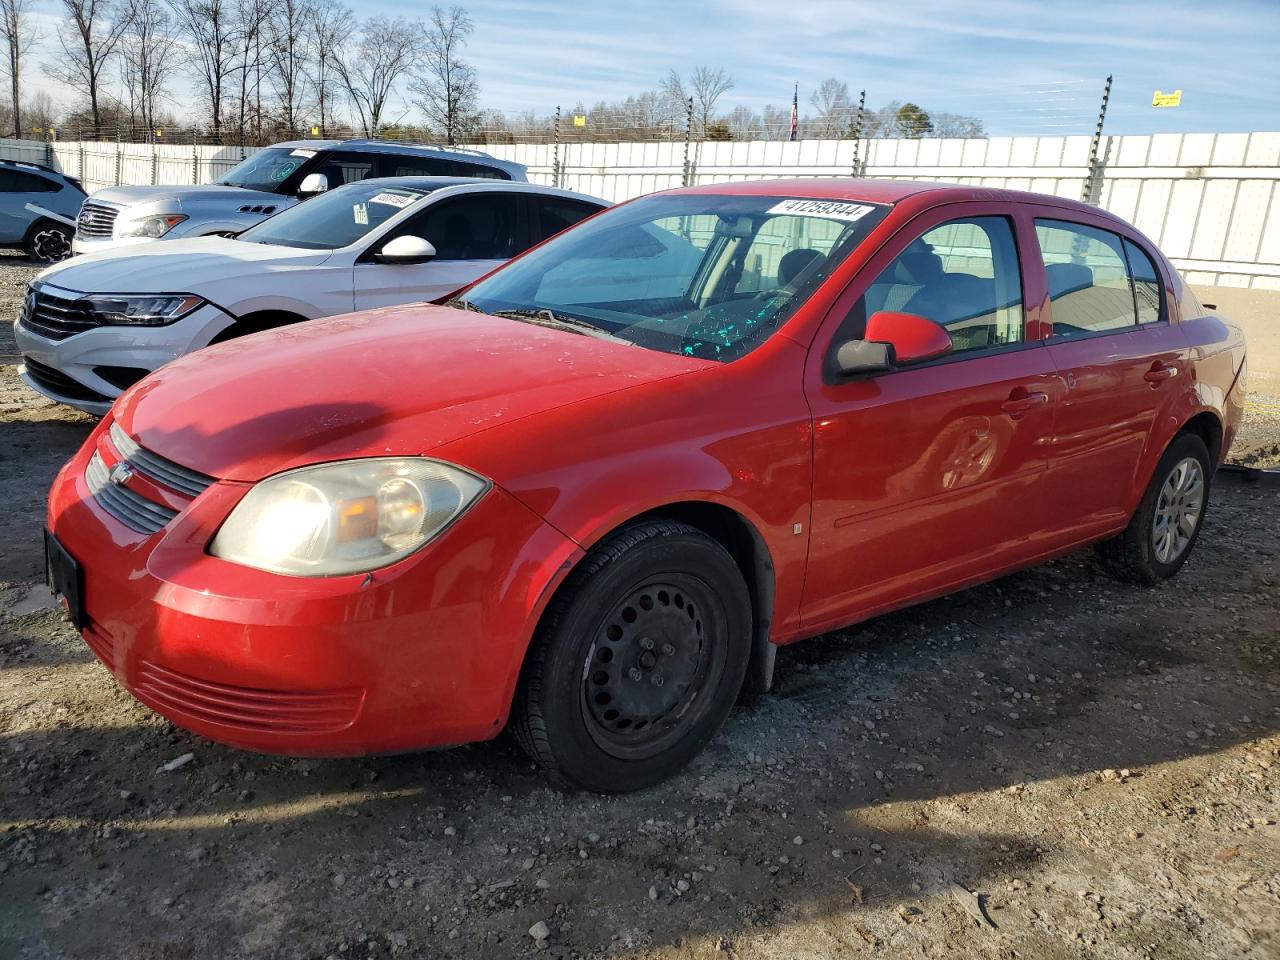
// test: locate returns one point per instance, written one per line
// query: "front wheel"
(1167, 522)
(638, 660)
(49, 242)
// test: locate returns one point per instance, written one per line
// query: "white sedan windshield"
(335, 219)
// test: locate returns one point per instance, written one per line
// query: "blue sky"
(1022, 66)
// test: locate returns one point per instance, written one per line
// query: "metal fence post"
(555, 163)
(857, 133)
(1093, 182)
(119, 158)
(687, 179)
(155, 163)
(80, 172)
(195, 158)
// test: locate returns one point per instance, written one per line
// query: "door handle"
(1022, 400)
(1160, 372)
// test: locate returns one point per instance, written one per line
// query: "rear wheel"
(49, 242)
(638, 660)
(1167, 522)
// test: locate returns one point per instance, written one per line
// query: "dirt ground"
(1096, 762)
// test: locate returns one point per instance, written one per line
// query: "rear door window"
(553, 214)
(1146, 284)
(345, 167)
(1090, 289)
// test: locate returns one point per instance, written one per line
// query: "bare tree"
(289, 53)
(327, 26)
(208, 27)
(250, 20)
(707, 87)
(18, 34)
(147, 52)
(90, 39)
(831, 100)
(446, 87)
(385, 52)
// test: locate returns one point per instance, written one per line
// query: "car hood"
(393, 382)
(197, 265)
(132, 196)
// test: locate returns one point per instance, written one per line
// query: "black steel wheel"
(49, 242)
(638, 661)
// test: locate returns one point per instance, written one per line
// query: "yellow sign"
(1159, 99)
(159, 133)
(579, 120)
(315, 131)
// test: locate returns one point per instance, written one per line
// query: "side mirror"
(312, 184)
(406, 249)
(892, 339)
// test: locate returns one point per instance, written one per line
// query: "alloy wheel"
(1178, 509)
(50, 245)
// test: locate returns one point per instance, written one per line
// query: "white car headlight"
(346, 517)
(154, 227)
(141, 309)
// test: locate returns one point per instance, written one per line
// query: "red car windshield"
(709, 276)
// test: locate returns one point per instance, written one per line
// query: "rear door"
(930, 475)
(472, 233)
(1120, 361)
(17, 189)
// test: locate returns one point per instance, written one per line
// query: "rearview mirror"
(312, 184)
(892, 339)
(406, 249)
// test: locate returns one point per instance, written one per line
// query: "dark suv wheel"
(638, 660)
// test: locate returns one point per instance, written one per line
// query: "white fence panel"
(1209, 200)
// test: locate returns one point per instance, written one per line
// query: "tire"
(49, 242)
(637, 661)
(1151, 550)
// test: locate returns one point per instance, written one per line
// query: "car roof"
(406, 148)
(479, 184)
(877, 191)
(27, 165)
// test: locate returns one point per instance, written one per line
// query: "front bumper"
(425, 653)
(141, 348)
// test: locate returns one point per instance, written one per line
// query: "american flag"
(795, 114)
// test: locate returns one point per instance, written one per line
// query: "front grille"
(96, 221)
(157, 468)
(59, 384)
(55, 316)
(247, 708)
(129, 507)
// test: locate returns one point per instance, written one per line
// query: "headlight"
(143, 309)
(153, 227)
(345, 517)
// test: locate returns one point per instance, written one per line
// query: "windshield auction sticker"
(827, 209)
(392, 199)
(302, 153)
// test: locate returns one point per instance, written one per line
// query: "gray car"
(269, 181)
(38, 205)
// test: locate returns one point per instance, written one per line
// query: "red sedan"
(588, 498)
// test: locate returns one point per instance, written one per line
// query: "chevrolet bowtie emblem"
(121, 473)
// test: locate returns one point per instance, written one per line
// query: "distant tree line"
(255, 71)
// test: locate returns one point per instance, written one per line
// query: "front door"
(928, 476)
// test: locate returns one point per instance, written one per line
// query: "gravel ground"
(1096, 762)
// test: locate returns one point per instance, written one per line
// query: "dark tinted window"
(555, 214)
(1089, 289)
(19, 181)
(962, 275)
(391, 165)
(344, 167)
(1146, 283)
(480, 227)
(462, 169)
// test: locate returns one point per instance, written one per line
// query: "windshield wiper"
(459, 303)
(543, 317)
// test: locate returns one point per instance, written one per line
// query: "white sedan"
(93, 326)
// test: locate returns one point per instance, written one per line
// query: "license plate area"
(62, 574)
